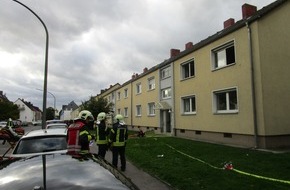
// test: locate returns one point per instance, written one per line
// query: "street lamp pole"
(45, 65)
(54, 103)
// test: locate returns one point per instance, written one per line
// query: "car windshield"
(41, 144)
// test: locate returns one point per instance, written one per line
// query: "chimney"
(248, 10)
(229, 23)
(174, 52)
(188, 45)
(145, 70)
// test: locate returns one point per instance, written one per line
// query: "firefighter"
(102, 133)
(85, 137)
(9, 127)
(117, 140)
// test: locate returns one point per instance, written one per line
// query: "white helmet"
(85, 114)
(119, 118)
(101, 116)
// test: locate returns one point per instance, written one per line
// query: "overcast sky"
(97, 43)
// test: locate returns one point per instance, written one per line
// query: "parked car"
(54, 121)
(3, 124)
(56, 125)
(17, 123)
(37, 122)
(40, 161)
(24, 123)
(62, 171)
(41, 141)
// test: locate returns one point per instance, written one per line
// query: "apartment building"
(231, 88)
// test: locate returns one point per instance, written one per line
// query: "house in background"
(27, 111)
(67, 110)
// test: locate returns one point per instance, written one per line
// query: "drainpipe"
(131, 102)
(253, 85)
(173, 123)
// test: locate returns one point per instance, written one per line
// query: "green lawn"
(186, 164)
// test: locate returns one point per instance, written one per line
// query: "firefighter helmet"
(101, 116)
(85, 114)
(119, 118)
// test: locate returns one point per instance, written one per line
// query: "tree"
(50, 113)
(97, 105)
(8, 110)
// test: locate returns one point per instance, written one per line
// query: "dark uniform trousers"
(119, 150)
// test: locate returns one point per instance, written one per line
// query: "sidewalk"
(141, 179)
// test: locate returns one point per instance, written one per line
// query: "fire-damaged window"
(224, 55)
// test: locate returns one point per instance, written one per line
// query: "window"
(126, 93)
(119, 95)
(224, 55)
(188, 105)
(166, 93)
(151, 83)
(151, 109)
(138, 88)
(188, 69)
(138, 110)
(226, 101)
(126, 112)
(165, 73)
(119, 111)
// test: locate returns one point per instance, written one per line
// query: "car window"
(56, 126)
(43, 144)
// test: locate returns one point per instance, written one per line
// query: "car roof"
(45, 132)
(56, 124)
(62, 171)
(54, 121)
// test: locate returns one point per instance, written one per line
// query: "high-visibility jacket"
(102, 133)
(84, 139)
(118, 135)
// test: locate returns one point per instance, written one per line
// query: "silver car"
(40, 161)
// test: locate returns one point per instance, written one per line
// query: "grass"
(188, 164)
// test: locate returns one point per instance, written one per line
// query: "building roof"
(71, 106)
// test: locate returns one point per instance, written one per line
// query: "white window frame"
(118, 95)
(226, 101)
(138, 110)
(126, 112)
(188, 69)
(138, 88)
(126, 93)
(188, 104)
(165, 73)
(151, 83)
(224, 53)
(151, 109)
(166, 93)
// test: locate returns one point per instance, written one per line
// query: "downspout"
(131, 99)
(173, 102)
(253, 85)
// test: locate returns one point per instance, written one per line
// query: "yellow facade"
(238, 92)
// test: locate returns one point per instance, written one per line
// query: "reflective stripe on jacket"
(118, 135)
(102, 134)
(85, 132)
